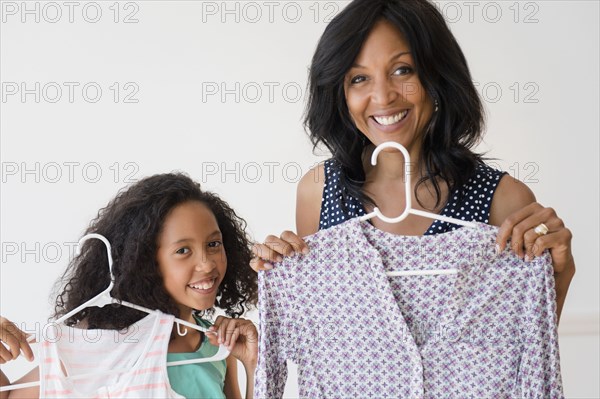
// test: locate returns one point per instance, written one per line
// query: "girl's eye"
(215, 244)
(182, 251)
(403, 70)
(357, 79)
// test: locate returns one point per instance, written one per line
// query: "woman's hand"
(239, 336)
(15, 340)
(528, 243)
(274, 248)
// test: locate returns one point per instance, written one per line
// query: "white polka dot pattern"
(471, 203)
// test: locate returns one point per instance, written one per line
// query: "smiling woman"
(394, 65)
(391, 70)
(383, 92)
(387, 102)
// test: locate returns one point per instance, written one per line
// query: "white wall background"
(216, 89)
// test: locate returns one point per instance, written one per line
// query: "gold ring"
(541, 229)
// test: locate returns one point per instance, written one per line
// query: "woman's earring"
(436, 105)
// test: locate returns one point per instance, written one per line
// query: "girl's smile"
(207, 286)
(191, 256)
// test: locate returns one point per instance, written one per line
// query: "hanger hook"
(108, 251)
(185, 331)
(407, 179)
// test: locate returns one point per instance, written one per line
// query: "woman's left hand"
(239, 336)
(528, 243)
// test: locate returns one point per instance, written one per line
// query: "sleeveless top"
(136, 359)
(470, 202)
(140, 351)
(199, 380)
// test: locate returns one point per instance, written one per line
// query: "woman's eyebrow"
(400, 54)
(181, 241)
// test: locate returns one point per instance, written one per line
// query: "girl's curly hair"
(132, 222)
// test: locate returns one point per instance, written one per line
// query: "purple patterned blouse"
(488, 331)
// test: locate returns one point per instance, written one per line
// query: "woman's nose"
(384, 92)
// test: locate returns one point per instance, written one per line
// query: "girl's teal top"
(200, 380)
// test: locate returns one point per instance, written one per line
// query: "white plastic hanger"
(409, 210)
(104, 298)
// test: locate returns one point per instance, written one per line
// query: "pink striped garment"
(78, 363)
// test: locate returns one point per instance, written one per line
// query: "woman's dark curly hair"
(442, 70)
(132, 223)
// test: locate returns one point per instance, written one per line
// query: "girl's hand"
(527, 243)
(239, 336)
(274, 248)
(15, 340)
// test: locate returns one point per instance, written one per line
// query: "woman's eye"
(403, 70)
(215, 244)
(182, 251)
(357, 79)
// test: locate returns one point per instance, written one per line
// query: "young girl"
(177, 249)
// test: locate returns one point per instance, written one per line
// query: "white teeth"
(204, 286)
(390, 120)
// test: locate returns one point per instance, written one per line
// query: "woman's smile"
(385, 98)
(389, 122)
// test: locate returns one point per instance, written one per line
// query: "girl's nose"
(205, 262)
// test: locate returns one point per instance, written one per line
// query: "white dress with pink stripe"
(139, 353)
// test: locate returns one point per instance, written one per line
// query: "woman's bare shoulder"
(511, 195)
(308, 200)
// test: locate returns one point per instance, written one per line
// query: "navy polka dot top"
(472, 205)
